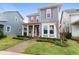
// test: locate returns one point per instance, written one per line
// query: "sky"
(28, 8)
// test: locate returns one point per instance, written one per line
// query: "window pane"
(51, 32)
(51, 29)
(45, 29)
(8, 29)
(48, 15)
(25, 29)
(30, 29)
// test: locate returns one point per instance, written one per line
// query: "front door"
(36, 30)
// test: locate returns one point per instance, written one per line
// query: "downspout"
(61, 20)
(70, 29)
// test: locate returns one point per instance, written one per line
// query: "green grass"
(44, 48)
(8, 42)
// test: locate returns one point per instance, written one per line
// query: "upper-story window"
(31, 18)
(48, 13)
(16, 19)
(37, 18)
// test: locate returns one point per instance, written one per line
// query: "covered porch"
(30, 29)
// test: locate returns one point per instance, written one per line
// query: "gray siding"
(16, 26)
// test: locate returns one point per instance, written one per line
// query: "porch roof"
(31, 23)
(75, 22)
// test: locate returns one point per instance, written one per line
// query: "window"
(30, 29)
(8, 28)
(32, 18)
(37, 18)
(16, 19)
(45, 29)
(25, 29)
(51, 29)
(48, 15)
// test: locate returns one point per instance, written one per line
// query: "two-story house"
(44, 23)
(70, 21)
(11, 23)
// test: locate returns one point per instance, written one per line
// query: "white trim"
(9, 29)
(33, 31)
(48, 26)
(22, 30)
(27, 30)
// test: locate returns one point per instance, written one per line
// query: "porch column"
(33, 31)
(27, 30)
(22, 30)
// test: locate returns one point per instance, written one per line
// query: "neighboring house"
(11, 23)
(45, 23)
(70, 21)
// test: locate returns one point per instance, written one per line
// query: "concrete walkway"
(10, 53)
(20, 47)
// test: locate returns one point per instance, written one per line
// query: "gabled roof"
(33, 14)
(50, 6)
(71, 10)
(13, 12)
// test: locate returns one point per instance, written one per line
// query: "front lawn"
(8, 42)
(45, 48)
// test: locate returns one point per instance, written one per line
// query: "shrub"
(48, 38)
(45, 40)
(68, 35)
(30, 37)
(56, 41)
(60, 43)
(20, 38)
(2, 34)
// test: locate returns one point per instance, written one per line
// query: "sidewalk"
(10, 53)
